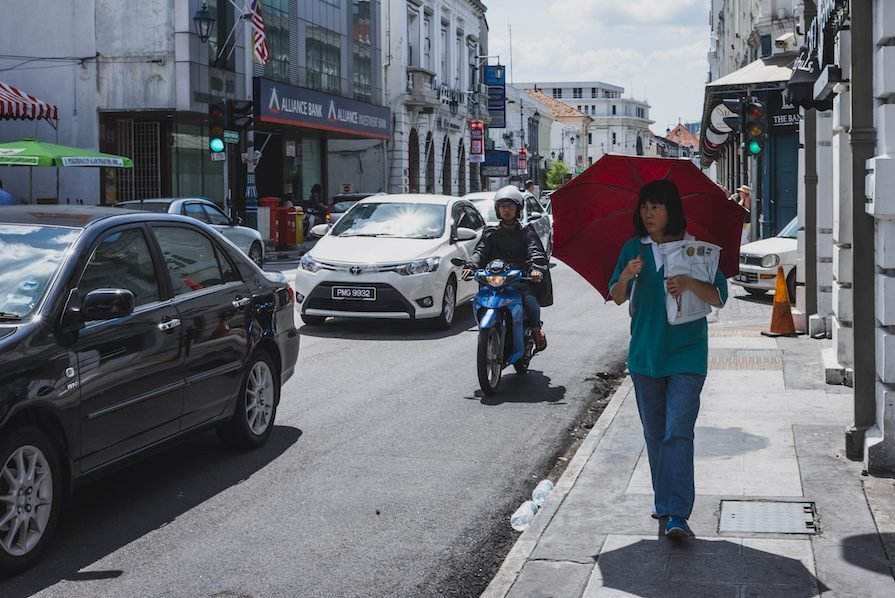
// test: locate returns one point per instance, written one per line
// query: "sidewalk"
(770, 433)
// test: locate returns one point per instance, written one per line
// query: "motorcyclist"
(315, 212)
(521, 248)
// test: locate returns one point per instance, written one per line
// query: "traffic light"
(217, 122)
(241, 115)
(755, 127)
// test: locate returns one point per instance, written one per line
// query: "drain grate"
(745, 362)
(767, 517)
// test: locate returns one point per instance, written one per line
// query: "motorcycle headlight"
(419, 266)
(308, 263)
(770, 260)
(496, 281)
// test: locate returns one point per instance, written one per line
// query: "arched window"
(639, 146)
(430, 164)
(461, 171)
(446, 166)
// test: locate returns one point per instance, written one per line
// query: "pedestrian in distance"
(668, 363)
(529, 189)
(6, 198)
(521, 248)
(743, 196)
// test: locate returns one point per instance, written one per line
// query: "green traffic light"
(754, 148)
(216, 144)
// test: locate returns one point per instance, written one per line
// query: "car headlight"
(770, 260)
(496, 281)
(308, 263)
(419, 266)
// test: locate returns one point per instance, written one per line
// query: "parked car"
(532, 213)
(759, 261)
(121, 332)
(246, 238)
(390, 257)
(341, 203)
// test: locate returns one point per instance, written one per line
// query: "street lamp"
(204, 23)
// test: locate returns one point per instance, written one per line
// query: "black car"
(121, 331)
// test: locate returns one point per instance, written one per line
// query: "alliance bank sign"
(291, 105)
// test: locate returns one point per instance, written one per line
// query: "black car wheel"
(30, 493)
(256, 255)
(256, 405)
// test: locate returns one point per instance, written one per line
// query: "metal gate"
(140, 141)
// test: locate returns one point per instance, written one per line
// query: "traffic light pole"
(251, 194)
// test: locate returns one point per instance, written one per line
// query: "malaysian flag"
(259, 40)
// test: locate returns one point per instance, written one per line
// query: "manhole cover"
(767, 516)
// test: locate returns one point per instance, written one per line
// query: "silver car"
(532, 213)
(247, 239)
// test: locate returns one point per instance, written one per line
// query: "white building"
(433, 51)
(616, 124)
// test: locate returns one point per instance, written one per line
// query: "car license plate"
(356, 293)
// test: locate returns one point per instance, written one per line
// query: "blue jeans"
(532, 310)
(668, 409)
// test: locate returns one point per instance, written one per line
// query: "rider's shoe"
(540, 340)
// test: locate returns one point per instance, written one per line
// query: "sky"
(655, 49)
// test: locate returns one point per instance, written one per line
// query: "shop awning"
(16, 104)
(764, 74)
(800, 88)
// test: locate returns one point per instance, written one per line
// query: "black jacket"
(521, 248)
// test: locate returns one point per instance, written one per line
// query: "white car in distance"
(390, 256)
(533, 214)
(759, 261)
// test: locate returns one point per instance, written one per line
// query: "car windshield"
(31, 256)
(398, 220)
(486, 208)
(146, 206)
(791, 230)
(344, 206)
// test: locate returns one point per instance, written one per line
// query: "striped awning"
(16, 104)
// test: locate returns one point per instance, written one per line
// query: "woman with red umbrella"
(668, 363)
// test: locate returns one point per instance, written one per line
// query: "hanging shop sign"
(496, 82)
(291, 105)
(496, 164)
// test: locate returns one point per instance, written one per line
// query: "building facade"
(616, 124)
(139, 83)
(433, 53)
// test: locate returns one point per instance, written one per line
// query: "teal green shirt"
(657, 348)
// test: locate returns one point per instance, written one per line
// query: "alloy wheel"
(26, 500)
(260, 397)
(450, 303)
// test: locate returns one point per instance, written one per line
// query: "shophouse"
(434, 51)
(135, 79)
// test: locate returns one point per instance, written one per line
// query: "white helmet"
(509, 193)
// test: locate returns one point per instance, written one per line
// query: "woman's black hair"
(664, 193)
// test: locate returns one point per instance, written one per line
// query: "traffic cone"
(782, 323)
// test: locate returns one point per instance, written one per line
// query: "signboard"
(346, 187)
(231, 136)
(781, 116)
(497, 163)
(280, 103)
(476, 142)
(495, 79)
(218, 156)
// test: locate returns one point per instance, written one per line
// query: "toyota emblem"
(355, 270)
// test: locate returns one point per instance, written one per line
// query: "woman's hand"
(632, 269)
(619, 291)
(704, 290)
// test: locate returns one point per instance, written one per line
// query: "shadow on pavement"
(533, 387)
(663, 568)
(727, 442)
(389, 330)
(766, 299)
(112, 512)
(868, 551)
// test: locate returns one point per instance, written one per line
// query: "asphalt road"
(388, 473)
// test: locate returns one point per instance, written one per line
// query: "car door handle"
(169, 324)
(240, 303)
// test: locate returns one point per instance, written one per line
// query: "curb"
(512, 565)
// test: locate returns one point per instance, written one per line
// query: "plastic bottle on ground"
(523, 515)
(541, 492)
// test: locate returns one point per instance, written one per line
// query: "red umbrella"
(593, 213)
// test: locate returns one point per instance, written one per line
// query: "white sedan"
(533, 214)
(390, 256)
(759, 261)
(247, 239)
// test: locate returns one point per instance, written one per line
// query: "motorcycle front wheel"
(489, 360)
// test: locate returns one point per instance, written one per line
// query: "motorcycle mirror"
(458, 261)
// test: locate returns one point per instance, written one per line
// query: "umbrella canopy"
(593, 213)
(30, 152)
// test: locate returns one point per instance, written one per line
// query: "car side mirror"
(535, 215)
(465, 234)
(107, 304)
(319, 230)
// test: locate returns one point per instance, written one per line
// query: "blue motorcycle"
(505, 337)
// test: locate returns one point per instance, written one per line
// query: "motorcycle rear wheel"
(489, 360)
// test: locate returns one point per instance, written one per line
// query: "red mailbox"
(284, 230)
